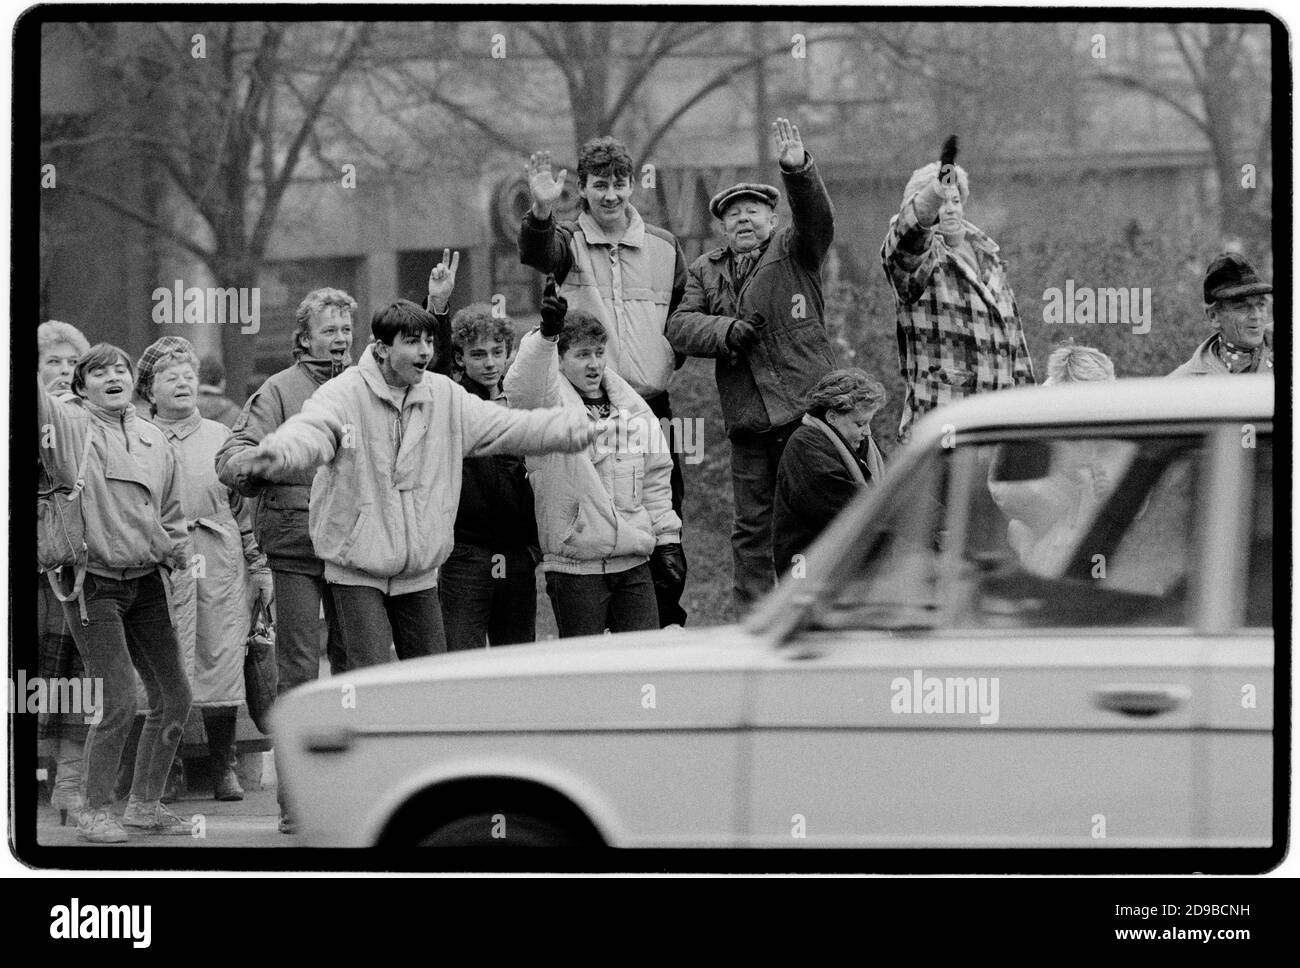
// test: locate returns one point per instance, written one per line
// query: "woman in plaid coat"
(959, 329)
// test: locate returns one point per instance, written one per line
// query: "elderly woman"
(827, 461)
(134, 529)
(210, 599)
(58, 347)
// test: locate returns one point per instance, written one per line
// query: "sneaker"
(100, 827)
(156, 819)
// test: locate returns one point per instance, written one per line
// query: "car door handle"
(1140, 700)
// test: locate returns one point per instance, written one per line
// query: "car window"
(1068, 531)
(1259, 589)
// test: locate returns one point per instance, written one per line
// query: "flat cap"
(1229, 276)
(764, 193)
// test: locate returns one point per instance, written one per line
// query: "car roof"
(1122, 401)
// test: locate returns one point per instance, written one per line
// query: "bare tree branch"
(140, 218)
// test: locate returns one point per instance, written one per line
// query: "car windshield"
(1046, 531)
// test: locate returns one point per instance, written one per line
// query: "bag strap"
(260, 610)
(79, 483)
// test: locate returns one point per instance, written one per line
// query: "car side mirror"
(1022, 460)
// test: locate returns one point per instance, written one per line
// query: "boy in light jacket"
(604, 516)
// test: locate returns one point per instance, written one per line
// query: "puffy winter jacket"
(131, 504)
(384, 501)
(631, 286)
(606, 508)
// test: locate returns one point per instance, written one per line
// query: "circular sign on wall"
(512, 200)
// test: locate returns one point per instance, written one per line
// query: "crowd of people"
(409, 497)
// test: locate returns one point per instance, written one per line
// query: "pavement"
(251, 822)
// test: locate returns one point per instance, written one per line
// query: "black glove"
(554, 306)
(742, 335)
(668, 568)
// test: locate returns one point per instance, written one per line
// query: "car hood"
(686, 679)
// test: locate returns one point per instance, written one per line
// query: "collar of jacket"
(847, 458)
(114, 417)
(634, 236)
(368, 367)
(476, 388)
(978, 239)
(180, 429)
(320, 369)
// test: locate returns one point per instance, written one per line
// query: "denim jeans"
(485, 600)
(670, 609)
(588, 604)
(373, 623)
(754, 462)
(298, 601)
(130, 626)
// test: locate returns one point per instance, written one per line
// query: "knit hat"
(927, 173)
(764, 193)
(150, 357)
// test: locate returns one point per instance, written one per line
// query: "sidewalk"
(251, 822)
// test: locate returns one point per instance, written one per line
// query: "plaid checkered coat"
(958, 331)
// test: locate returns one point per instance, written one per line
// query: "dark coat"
(496, 500)
(767, 387)
(812, 486)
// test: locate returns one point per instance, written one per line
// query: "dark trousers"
(373, 623)
(487, 597)
(588, 604)
(754, 462)
(670, 609)
(130, 627)
(298, 601)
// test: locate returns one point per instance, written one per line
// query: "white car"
(1051, 625)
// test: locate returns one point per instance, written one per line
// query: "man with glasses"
(1240, 305)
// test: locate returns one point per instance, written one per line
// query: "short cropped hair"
(1078, 364)
(842, 391)
(53, 332)
(101, 354)
(476, 322)
(401, 318)
(603, 156)
(313, 303)
(580, 327)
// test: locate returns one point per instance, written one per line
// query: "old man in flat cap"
(1239, 304)
(755, 305)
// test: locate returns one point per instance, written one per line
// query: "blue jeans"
(373, 623)
(485, 600)
(130, 626)
(588, 604)
(298, 601)
(754, 462)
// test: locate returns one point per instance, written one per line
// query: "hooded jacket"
(384, 501)
(280, 513)
(631, 286)
(131, 504)
(767, 387)
(604, 509)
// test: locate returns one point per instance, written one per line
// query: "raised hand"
(789, 145)
(442, 280)
(544, 187)
(554, 307)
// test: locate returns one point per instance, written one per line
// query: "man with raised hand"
(755, 305)
(627, 274)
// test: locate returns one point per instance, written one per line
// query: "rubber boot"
(220, 728)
